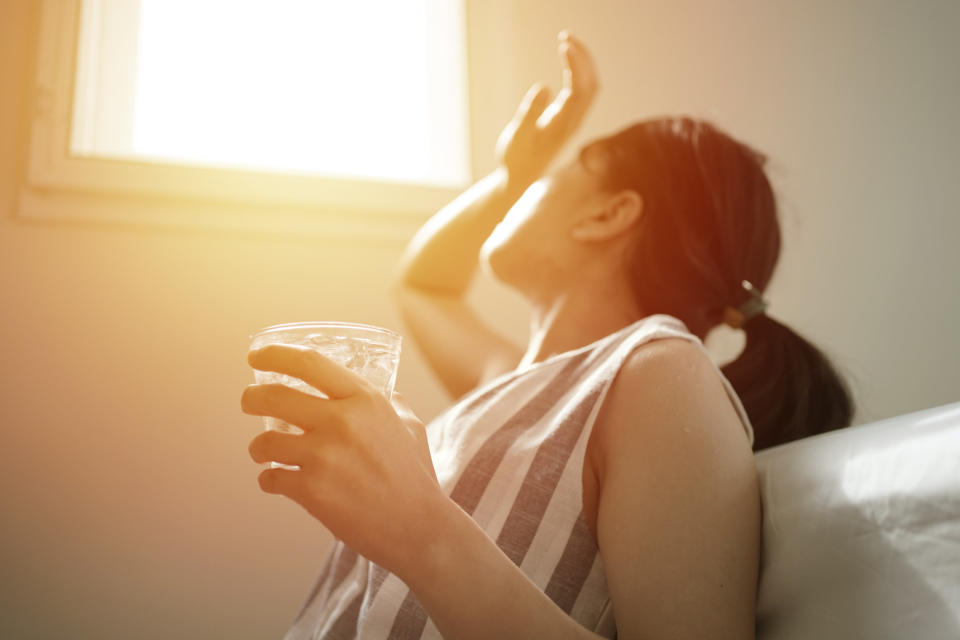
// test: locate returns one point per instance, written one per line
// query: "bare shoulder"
(678, 511)
(667, 385)
(667, 355)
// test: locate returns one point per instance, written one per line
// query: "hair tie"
(754, 306)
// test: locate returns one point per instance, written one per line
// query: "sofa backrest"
(861, 532)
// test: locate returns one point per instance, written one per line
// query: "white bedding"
(862, 532)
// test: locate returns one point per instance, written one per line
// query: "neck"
(578, 317)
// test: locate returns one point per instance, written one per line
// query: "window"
(271, 114)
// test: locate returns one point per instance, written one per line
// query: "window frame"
(59, 185)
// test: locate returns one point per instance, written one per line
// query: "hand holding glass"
(370, 351)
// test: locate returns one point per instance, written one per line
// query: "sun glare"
(365, 88)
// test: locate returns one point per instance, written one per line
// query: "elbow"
(404, 294)
(405, 286)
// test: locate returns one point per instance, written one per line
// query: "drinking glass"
(373, 352)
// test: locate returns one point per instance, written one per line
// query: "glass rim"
(321, 324)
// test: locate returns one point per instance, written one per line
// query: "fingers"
(533, 104)
(276, 446)
(562, 116)
(310, 366)
(280, 481)
(280, 401)
(579, 72)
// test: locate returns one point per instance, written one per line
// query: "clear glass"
(372, 352)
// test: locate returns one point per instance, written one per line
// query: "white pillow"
(861, 532)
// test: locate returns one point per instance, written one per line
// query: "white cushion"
(861, 532)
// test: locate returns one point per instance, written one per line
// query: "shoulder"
(665, 355)
(667, 393)
(661, 371)
(678, 509)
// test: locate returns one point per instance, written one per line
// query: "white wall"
(855, 103)
(129, 507)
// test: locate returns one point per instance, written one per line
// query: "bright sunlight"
(372, 89)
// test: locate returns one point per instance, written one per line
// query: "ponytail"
(709, 224)
(787, 386)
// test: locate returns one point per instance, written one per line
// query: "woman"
(600, 482)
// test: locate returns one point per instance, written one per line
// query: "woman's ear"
(614, 216)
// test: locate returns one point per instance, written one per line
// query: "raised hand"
(540, 128)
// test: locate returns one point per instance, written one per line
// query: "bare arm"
(437, 269)
(678, 519)
(678, 522)
(441, 259)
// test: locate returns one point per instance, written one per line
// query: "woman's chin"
(496, 263)
(491, 263)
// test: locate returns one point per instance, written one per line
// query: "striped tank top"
(511, 454)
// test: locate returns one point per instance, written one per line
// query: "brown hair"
(710, 222)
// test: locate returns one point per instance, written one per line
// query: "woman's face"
(532, 248)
